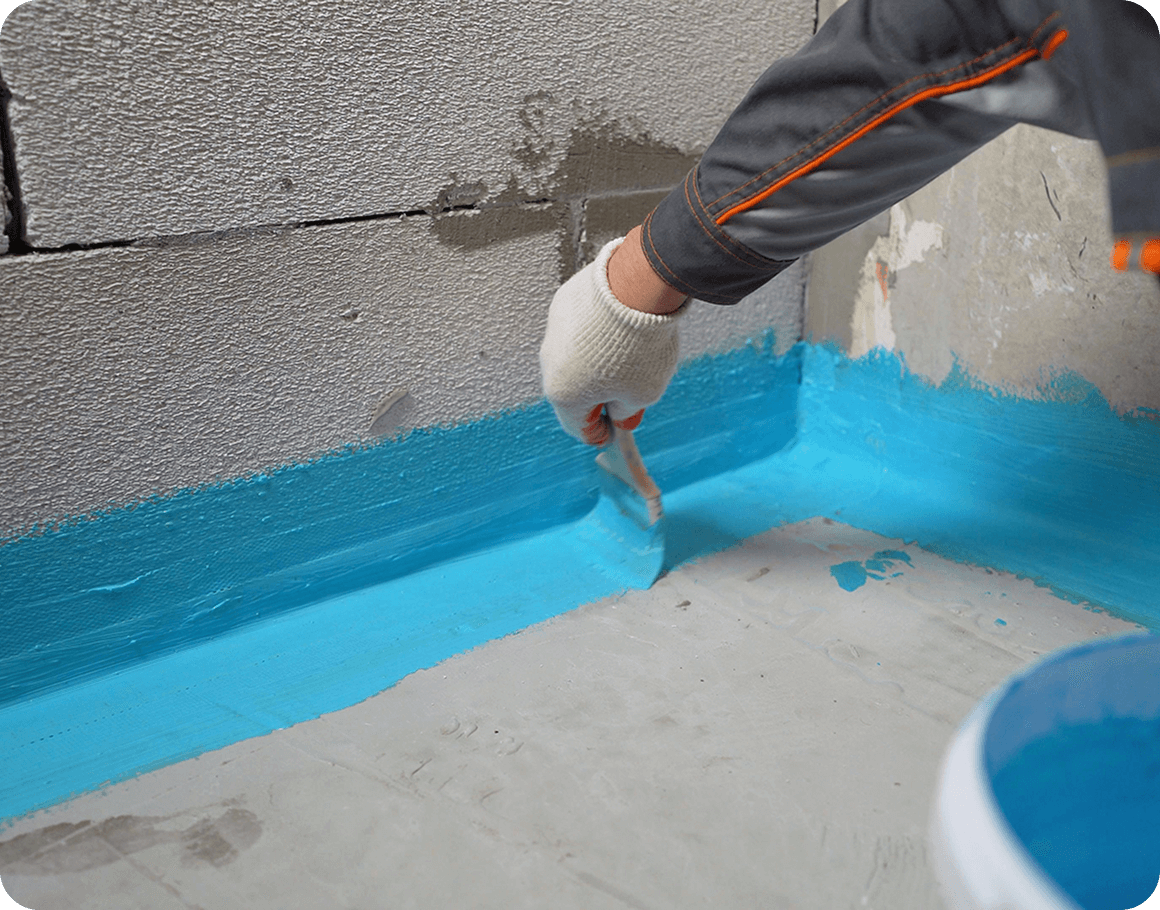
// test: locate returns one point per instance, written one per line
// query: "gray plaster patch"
(479, 229)
(569, 148)
(605, 157)
(258, 113)
(608, 217)
(595, 188)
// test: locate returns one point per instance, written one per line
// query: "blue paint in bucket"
(1072, 750)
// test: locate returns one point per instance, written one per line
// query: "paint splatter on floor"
(852, 575)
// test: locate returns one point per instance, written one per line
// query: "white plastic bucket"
(1049, 795)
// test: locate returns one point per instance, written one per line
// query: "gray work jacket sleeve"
(888, 95)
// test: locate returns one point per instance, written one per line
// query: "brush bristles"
(656, 511)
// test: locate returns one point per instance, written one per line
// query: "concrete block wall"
(243, 237)
(5, 216)
(1001, 265)
(247, 234)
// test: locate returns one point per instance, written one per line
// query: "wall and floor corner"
(271, 327)
(273, 306)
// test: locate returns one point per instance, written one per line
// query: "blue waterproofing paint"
(852, 575)
(880, 564)
(1072, 750)
(1058, 488)
(228, 612)
(139, 582)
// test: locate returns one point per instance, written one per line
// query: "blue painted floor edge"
(877, 449)
(330, 655)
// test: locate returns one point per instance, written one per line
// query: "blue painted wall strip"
(1059, 490)
(138, 582)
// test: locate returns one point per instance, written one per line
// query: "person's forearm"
(634, 282)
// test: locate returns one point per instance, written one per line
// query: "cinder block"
(134, 120)
(5, 215)
(129, 372)
(135, 371)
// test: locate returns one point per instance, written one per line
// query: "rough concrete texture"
(5, 215)
(745, 734)
(835, 279)
(778, 305)
(135, 371)
(826, 8)
(1002, 263)
(138, 119)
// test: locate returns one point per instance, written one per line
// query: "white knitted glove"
(599, 354)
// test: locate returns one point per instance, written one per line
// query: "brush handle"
(632, 460)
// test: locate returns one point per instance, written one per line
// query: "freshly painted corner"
(155, 633)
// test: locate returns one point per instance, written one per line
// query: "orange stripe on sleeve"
(1053, 43)
(1150, 256)
(1147, 261)
(934, 92)
(1120, 253)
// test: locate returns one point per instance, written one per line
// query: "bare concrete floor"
(746, 734)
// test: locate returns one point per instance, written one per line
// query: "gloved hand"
(599, 355)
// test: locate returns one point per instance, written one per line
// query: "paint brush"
(627, 525)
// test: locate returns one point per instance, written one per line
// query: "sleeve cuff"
(693, 254)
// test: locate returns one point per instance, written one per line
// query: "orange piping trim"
(1150, 256)
(1121, 252)
(933, 92)
(1053, 44)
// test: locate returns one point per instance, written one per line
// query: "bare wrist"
(634, 282)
